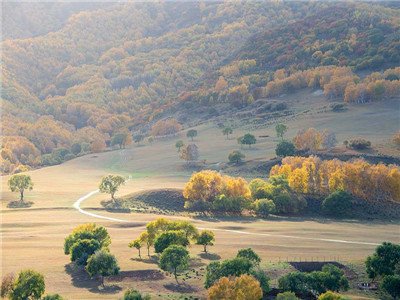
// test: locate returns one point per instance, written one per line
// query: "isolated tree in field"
(385, 261)
(173, 259)
(236, 156)
(250, 255)
(102, 263)
(136, 244)
(179, 144)
(206, 238)
(189, 153)
(138, 138)
(19, 183)
(191, 133)
(243, 287)
(391, 285)
(280, 129)
(29, 285)
(119, 139)
(227, 131)
(285, 148)
(248, 139)
(110, 184)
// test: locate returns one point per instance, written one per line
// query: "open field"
(33, 237)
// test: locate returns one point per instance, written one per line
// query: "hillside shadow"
(210, 256)
(182, 288)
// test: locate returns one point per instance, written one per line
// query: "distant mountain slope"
(361, 36)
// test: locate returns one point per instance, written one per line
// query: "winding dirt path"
(80, 200)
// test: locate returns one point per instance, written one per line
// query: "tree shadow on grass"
(81, 279)
(210, 256)
(180, 288)
(147, 260)
(19, 204)
(137, 275)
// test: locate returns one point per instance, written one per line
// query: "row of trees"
(210, 191)
(311, 175)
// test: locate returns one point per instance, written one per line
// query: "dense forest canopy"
(109, 68)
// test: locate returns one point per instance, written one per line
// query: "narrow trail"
(80, 200)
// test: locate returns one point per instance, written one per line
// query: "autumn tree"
(173, 259)
(280, 130)
(179, 144)
(206, 238)
(189, 153)
(243, 287)
(110, 184)
(396, 139)
(191, 133)
(227, 131)
(98, 145)
(221, 84)
(136, 244)
(102, 263)
(309, 139)
(328, 140)
(19, 183)
(166, 127)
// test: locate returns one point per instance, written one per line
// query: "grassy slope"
(34, 237)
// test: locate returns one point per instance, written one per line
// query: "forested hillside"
(114, 69)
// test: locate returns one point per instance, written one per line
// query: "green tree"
(285, 148)
(102, 263)
(191, 133)
(295, 282)
(330, 296)
(250, 255)
(227, 131)
(7, 284)
(179, 144)
(87, 232)
(262, 278)
(20, 183)
(148, 240)
(286, 296)
(29, 285)
(248, 139)
(280, 130)
(206, 238)
(385, 260)
(76, 148)
(132, 294)
(174, 258)
(236, 156)
(264, 207)
(171, 237)
(136, 244)
(337, 203)
(191, 232)
(81, 250)
(119, 139)
(110, 183)
(229, 267)
(391, 285)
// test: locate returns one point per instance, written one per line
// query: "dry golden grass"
(33, 237)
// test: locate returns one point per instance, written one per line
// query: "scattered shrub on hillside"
(337, 203)
(236, 157)
(359, 144)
